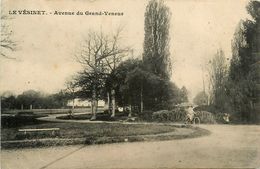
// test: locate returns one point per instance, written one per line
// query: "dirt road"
(227, 147)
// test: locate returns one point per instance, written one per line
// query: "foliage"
(158, 93)
(218, 78)
(85, 82)
(37, 99)
(99, 56)
(126, 92)
(175, 115)
(156, 54)
(206, 117)
(179, 115)
(244, 70)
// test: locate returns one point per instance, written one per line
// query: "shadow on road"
(62, 157)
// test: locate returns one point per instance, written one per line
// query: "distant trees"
(35, 100)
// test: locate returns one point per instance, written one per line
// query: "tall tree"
(244, 68)
(218, 78)
(156, 55)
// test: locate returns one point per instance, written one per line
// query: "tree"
(158, 93)
(218, 79)
(8, 102)
(218, 75)
(156, 55)
(29, 99)
(119, 81)
(244, 67)
(95, 58)
(112, 62)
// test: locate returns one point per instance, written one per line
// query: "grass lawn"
(84, 130)
(93, 133)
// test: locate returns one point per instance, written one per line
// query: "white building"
(84, 103)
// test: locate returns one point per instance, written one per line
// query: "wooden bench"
(37, 130)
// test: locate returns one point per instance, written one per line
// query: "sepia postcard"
(130, 84)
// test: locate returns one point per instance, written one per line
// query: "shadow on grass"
(99, 117)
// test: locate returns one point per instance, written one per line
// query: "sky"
(45, 56)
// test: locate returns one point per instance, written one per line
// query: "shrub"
(206, 117)
(175, 115)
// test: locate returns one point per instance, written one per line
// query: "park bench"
(53, 130)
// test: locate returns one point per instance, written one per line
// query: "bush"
(206, 117)
(175, 115)
(180, 115)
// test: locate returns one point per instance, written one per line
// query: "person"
(226, 117)
(190, 113)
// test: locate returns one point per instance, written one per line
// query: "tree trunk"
(130, 111)
(72, 111)
(94, 104)
(142, 103)
(130, 108)
(113, 103)
(108, 102)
